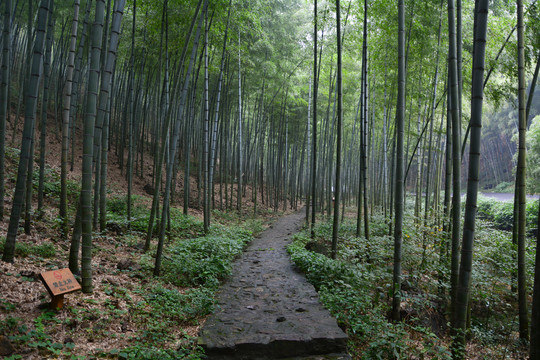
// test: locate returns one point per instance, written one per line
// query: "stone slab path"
(268, 310)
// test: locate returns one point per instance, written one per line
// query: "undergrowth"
(356, 287)
(23, 249)
(194, 265)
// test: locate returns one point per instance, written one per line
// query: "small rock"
(138, 246)
(85, 325)
(148, 189)
(30, 274)
(71, 324)
(281, 319)
(250, 307)
(44, 305)
(111, 281)
(115, 228)
(125, 264)
(124, 326)
(6, 348)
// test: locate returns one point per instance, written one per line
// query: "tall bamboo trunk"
(314, 127)
(465, 269)
(65, 121)
(535, 318)
(364, 127)
(456, 156)
(398, 227)
(4, 96)
(103, 114)
(44, 105)
(131, 124)
(520, 181)
(29, 120)
(206, 157)
(240, 154)
(88, 144)
(337, 190)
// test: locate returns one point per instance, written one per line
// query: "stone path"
(268, 310)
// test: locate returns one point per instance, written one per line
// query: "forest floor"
(119, 319)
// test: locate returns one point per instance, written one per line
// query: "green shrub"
(202, 261)
(504, 187)
(532, 214)
(180, 307)
(141, 352)
(185, 226)
(501, 213)
(205, 260)
(52, 184)
(45, 250)
(354, 289)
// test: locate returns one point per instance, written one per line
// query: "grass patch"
(45, 250)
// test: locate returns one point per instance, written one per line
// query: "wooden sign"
(58, 283)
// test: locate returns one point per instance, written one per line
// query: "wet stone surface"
(268, 310)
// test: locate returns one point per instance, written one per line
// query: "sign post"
(58, 283)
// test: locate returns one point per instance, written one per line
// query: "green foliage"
(148, 352)
(37, 337)
(356, 287)
(45, 250)
(354, 291)
(207, 260)
(9, 325)
(51, 183)
(161, 310)
(117, 213)
(504, 187)
(140, 352)
(501, 213)
(180, 307)
(199, 264)
(532, 214)
(320, 270)
(52, 186)
(185, 226)
(533, 156)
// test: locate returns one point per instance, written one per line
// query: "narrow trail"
(268, 310)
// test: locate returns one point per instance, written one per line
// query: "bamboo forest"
(269, 179)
